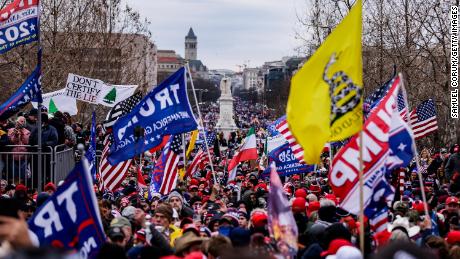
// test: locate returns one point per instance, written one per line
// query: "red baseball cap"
(300, 193)
(451, 199)
(335, 245)
(50, 186)
(298, 205)
(21, 187)
(419, 207)
(453, 237)
(312, 207)
(194, 182)
(296, 177)
(262, 186)
(259, 219)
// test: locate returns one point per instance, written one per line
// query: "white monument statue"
(226, 124)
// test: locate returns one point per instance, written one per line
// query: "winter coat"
(49, 137)
(453, 165)
(19, 137)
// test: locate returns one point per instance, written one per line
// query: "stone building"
(197, 68)
(168, 62)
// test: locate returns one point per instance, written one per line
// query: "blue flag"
(286, 163)
(70, 218)
(21, 27)
(159, 169)
(29, 91)
(272, 131)
(91, 152)
(164, 111)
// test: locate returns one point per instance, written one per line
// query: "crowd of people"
(211, 217)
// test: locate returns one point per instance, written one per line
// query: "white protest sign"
(83, 88)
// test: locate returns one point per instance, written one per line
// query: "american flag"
(121, 108)
(423, 119)
(171, 156)
(111, 176)
(379, 222)
(210, 138)
(196, 162)
(376, 97)
(283, 128)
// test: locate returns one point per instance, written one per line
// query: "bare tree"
(412, 35)
(95, 38)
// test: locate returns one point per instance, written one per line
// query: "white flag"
(59, 101)
(113, 94)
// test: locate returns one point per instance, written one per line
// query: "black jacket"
(453, 165)
(49, 137)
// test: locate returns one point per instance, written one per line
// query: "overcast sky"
(230, 32)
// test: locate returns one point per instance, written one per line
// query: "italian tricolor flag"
(248, 151)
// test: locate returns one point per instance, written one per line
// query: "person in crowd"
(69, 135)
(228, 218)
(49, 134)
(31, 119)
(163, 219)
(177, 202)
(19, 137)
(58, 122)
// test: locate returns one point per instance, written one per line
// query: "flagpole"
(39, 106)
(361, 194)
(414, 146)
(201, 123)
(330, 157)
(184, 154)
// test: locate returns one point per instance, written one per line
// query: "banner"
(275, 142)
(325, 100)
(96, 91)
(286, 163)
(387, 144)
(59, 101)
(29, 91)
(19, 24)
(70, 218)
(281, 222)
(83, 88)
(164, 111)
(113, 94)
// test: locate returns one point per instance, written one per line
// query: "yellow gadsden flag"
(191, 146)
(325, 100)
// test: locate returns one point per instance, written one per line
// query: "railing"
(63, 163)
(19, 164)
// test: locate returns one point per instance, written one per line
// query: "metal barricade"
(64, 162)
(20, 165)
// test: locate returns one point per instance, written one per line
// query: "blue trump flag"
(159, 169)
(91, 152)
(29, 91)
(286, 163)
(21, 27)
(164, 111)
(272, 127)
(70, 218)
